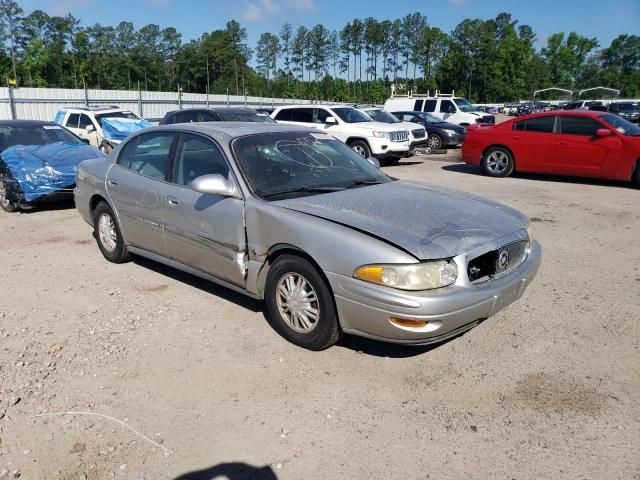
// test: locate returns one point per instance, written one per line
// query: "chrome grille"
(399, 136)
(418, 133)
(497, 263)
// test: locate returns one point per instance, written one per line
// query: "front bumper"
(384, 148)
(364, 309)
(454, 139)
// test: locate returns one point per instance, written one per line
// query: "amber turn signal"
(405, 322)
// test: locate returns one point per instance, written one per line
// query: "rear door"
(136, 184)
(579, 151)
(204, 231)
(533, 144)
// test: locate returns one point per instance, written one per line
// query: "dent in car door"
(135, 185)
(204, 231)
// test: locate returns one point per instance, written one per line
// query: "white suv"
(90, 123)
(452, 109)
(417, 133)
(351, 126)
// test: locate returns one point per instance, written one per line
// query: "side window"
(302, 115)
(519, 126)
(72, 120)
(207, 117)
(284, 114)
(198, 156)
(430, 106)
(85, 121)
(417, 107)
(579, 126)
(321, 115)
(540, 124)
(446, 106)
(185, 117)
(148, 154)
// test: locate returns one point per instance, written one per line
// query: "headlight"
(381, 134)
(449, 132)
(419, 276)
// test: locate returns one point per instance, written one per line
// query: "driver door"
(204, 231)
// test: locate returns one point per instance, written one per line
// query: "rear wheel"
(108, 235)
(498, 162)
(361, 148)
(5, 203)
(635, 178)
(300, 306)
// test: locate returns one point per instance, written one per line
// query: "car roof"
(26, 123)
(565, 113)
(218, 109)
(231, 129)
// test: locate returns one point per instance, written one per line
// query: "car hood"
(427, 221)
(450, 126)
(379, 126)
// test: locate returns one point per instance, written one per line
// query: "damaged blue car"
(38, 162)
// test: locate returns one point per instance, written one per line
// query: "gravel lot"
(548, 388)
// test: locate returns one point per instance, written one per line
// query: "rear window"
(429, 106)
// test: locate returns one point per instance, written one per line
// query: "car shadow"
(201, 284)
(474, 170)
(49, 206)
(378, 348)
(401, 164)
(231, 471)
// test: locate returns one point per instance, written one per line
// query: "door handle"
(515, 137)
(112, 182)
(563, 142)
(171, 200)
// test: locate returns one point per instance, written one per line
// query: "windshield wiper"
(302, 189)
(367, 181)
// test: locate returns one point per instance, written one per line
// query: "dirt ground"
(203, 388)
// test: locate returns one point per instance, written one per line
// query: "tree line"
(492, 60)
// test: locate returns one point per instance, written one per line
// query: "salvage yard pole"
(140, 101)
(12, 101)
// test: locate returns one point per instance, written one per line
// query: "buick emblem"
(503, 259)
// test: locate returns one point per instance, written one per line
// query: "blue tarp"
(44, 169)
(121, 128)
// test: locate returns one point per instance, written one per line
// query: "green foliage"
(486, 60)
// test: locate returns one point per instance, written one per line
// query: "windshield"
(35, 135)
(383, 116)
(464, 105)
(125, 114)
(629, 107)
(621, 125)
(351, 115)
(429, 118)
(278, 163)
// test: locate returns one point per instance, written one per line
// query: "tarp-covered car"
(38, 161)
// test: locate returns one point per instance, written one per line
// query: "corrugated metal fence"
(43, 103)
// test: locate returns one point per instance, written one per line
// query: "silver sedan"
(292, 216)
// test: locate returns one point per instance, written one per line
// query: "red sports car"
(580, 143)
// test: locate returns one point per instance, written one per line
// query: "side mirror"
(373, 161)
(89, 128)
(603, 132)
(214, 185)
(330, 121)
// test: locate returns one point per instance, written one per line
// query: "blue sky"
(591, 18)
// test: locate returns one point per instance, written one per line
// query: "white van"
(452, 109)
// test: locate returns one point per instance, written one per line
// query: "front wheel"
(300, 306)
(434, 142)
(108, 235)
(6, 204)
(361, 148)
(498, 162)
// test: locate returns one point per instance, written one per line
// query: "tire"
(434, 142)
(107, 233)
(6, 204)
(307, 319)
(498, 162)
(105, 148)
(361, 148)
